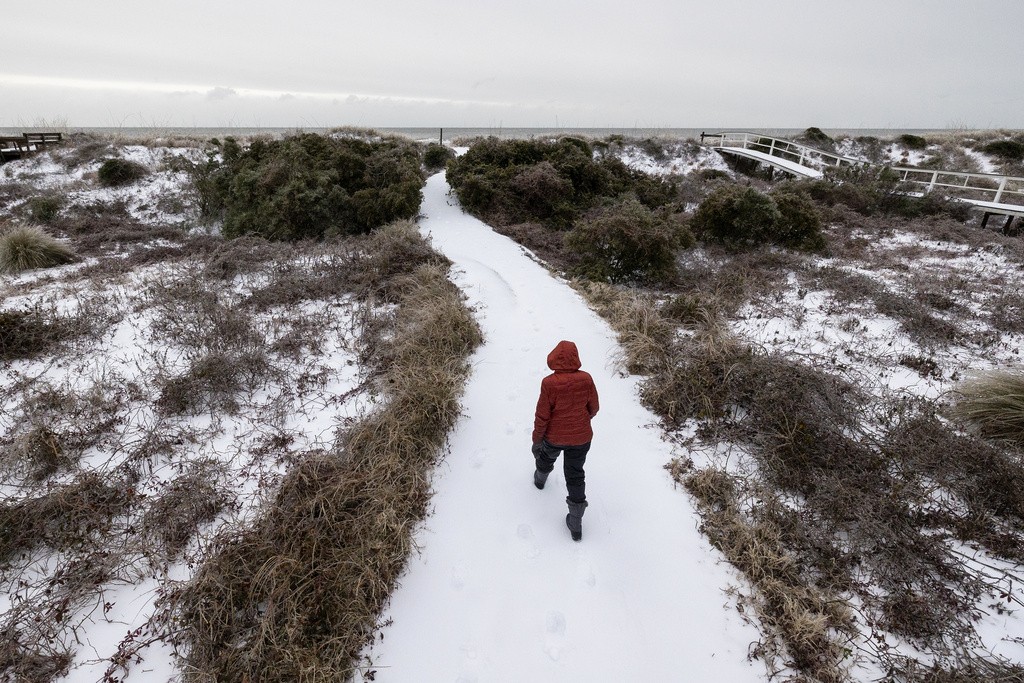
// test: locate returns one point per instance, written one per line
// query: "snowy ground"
(499, 590)
(241, 451)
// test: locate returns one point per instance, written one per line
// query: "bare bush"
(191, 500)
(300, 591)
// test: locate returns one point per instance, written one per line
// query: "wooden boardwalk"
(17, 147)
(993, 193)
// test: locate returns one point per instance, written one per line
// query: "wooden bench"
(43, 139)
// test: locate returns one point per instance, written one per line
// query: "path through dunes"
(499, 591)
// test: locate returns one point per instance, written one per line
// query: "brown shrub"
(300, 591)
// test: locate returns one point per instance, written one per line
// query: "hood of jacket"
(564, 357)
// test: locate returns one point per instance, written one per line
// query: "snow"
(899, 155)
(681, 161)
(499, 591)
(129, 353)
(985, 163)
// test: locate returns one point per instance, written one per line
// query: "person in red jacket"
(567, 403)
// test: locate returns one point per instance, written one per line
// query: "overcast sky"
(567, 63)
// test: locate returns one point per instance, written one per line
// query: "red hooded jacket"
(568, 399)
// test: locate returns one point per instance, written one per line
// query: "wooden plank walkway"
(989, 192)
(17, 147)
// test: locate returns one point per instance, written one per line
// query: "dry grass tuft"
(805, 619)
(849, 497)
(296, 596)
(28, 247)
(993, 403)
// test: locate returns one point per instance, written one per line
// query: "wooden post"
(1006, 225)
(440, 139)
(984, 219)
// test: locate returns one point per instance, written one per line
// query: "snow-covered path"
(500, 592)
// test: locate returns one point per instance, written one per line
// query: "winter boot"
(539, 478)
(574, 520)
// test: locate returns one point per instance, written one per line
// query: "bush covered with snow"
(309, 185)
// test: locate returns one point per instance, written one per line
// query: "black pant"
(575, 457)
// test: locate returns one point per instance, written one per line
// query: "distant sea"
(500, 132)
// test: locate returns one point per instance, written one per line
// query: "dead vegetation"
(110, 467)
(843, 511)
(296, 596)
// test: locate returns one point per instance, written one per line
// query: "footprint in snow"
(457, 579)
(477, 459)
(554, 640)
(525, 532)
(469, 655)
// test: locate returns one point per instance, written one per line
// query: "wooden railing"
(16, 147)
(989, 187)
(784, 149)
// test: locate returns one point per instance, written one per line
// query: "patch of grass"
(26, 663)
(913, 315)
(973, 670)
(65, 517)
(117, 172)
(32, 331)
(191, 500)
(101, 228)
(213, 381)
(845, 496)
(54, 425)
(28, 247)
(41, 450)
(45, 208)
(370, 266)
(806, 620)
(993, 403)
(300, 591)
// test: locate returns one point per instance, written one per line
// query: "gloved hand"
(536, 449)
